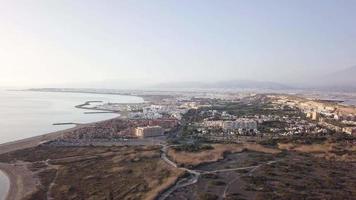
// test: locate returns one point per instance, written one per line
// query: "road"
(184, 182)
(195, 174)
(253, 168)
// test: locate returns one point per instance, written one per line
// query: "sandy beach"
(5, 185)
(22, 181)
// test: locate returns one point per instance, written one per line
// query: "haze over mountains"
(343, 80)
(230, 84)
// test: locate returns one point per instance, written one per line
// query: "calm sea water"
(4, 185)
(25, 114)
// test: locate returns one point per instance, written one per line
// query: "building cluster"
(326, 113)
(349, 130)
(221, 122)
(122, 107)
(283, 116)
(119, 128)
(149, 131)
(159, 111)
(241, 123)
(166, 123)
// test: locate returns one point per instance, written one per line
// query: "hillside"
(344, 79)
(232, 84)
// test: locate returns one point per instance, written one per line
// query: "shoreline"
(144, 97)
(21, 180)
(7, 176)
(19, 177)
(36, 140)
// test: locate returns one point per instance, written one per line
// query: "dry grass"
(260, 148)
(313, 148)
(347, 110)
(166, 183)
(195, 158)
(213, 155)
(300, 176)
(99, 173)
(328, 150)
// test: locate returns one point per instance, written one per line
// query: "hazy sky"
(74, 43)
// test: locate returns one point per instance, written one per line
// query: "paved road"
(105, 142)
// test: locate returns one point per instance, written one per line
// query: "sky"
(113, 44)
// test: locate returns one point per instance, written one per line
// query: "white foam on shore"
(4, 185)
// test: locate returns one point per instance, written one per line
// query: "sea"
(25, 114)
(4, 185)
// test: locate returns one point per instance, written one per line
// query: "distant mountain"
(340, 80)
(233, 84)
(251, 84)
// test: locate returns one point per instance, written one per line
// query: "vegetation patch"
(195, 147)
(100, 173)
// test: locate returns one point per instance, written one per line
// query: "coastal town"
(226, 118)
(197, 141)
(178, 100)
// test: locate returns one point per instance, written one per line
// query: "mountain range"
(230, 84)
(343, 80)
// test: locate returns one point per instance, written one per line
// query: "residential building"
(149, 131)
(349, 130)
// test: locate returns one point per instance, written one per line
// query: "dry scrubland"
(302, 176)
(342, 151)
(304, 168)
(309, 168)
(96, 172)
(215, 154)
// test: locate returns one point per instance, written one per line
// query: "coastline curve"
(5, 185)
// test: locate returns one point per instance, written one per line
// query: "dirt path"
(253, 168)
(195, 174)
(192, 179)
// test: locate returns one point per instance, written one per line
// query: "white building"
(241, 123)
(216, 124)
